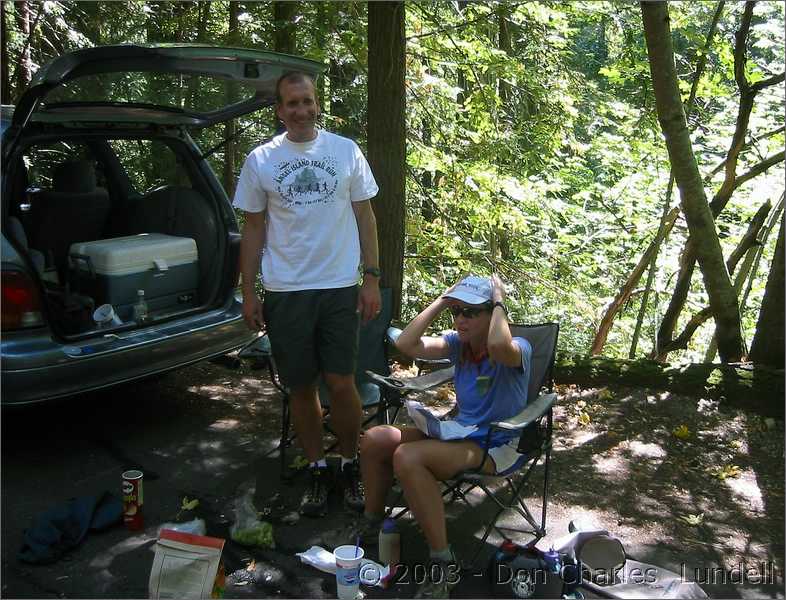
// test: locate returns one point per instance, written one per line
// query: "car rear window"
(150, 164)
(196, 93)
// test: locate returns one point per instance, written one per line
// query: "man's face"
(298, 109)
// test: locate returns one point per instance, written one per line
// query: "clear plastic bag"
(248, 529)
(195, 526)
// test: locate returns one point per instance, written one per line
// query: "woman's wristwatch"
(501, 305)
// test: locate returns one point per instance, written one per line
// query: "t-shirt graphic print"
(303, 182)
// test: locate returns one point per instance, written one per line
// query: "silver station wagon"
(119, 244)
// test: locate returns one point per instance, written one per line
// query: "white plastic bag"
(248, 529)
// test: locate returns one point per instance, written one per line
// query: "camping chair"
(535, 423)
(381, 405)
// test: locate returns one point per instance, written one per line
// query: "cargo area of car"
(120, 233)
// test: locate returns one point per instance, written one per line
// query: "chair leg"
(546, 463)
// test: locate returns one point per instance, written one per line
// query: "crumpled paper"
(371, 573)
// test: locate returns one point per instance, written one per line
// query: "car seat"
(75, 210)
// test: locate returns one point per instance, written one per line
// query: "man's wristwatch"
(373, 271)
(502, 306)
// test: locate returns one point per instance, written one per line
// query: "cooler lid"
(135, 253)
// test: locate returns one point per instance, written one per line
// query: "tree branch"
(740, 47)
(774, 80)
(719, 167)
(759, 168)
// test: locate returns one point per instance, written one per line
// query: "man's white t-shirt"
(307, 189)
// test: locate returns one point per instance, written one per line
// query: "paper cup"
(348, 571)
(105, 316)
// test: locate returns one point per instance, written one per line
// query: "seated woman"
(491, 377)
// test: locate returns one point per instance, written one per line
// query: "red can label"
(132, 499)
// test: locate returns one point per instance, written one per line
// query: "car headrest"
(75, 177)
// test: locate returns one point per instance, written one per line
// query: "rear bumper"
(35, 371)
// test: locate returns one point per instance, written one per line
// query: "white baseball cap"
(472, 290)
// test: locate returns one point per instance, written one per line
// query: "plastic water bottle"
(553, 561)
(389, 543)
(140, 308)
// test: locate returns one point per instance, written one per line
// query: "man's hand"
(252, 312)
(369, 299)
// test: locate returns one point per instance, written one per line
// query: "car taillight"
(21, 305)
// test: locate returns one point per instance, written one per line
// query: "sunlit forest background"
(533, 146)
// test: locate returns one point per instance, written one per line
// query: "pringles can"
(133, 499)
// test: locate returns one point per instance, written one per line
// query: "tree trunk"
(284, 19)
(747, 387)
(767, 346)
(5, 81)
(697, 74)
(230, 148)
(504, 44)
(686, 173)
(747, 242)
(283, 38)
(774, 218)
(627, 289)
(24, 66)
(386, 136)
(730, 183)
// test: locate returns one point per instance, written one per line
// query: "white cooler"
(111, 271)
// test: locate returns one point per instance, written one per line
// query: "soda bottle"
(140, 308)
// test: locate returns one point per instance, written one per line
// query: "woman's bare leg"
(420, 466)
(377, 446)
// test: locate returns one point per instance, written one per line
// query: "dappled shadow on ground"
(709, 494)
(683, 485)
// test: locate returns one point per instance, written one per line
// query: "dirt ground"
(683, 485)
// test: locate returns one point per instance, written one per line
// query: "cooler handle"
(76, 258)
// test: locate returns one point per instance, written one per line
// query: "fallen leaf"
(298, 463)
(189, 504)
(252, 565)
(605, 394)
(727, 471)
(682, 432)
(736, 444)
(693, 520)
(584, 419)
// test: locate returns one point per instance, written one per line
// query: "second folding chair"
(535, 424)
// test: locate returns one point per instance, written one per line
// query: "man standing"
(306, 196)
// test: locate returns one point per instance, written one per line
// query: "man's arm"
(251, 245)
(369, 298)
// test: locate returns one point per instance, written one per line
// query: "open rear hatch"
(173, 243)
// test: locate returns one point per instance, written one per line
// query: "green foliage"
(533, 147)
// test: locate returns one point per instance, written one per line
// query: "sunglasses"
(467, 312)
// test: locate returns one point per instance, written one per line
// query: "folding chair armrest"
(533, 411)
(392, 334)
(413, 384)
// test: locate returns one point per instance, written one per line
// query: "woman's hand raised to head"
(497, 289)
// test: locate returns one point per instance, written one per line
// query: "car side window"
(42, 160)
(150, 164)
